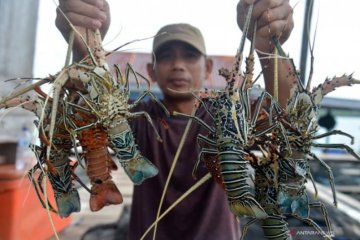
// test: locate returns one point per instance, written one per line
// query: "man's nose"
(178, 62)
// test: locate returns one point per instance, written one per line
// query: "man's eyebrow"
(162, 49)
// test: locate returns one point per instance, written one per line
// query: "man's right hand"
(274, 17)
(91, 14)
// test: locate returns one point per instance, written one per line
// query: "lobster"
(106, 100)
(93, 140)
(102, 110)
(234, 134)
(109, 103)
(301, 113)
(58, 168)
(275, 225)
(283, 178)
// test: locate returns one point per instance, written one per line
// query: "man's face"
(179, 67)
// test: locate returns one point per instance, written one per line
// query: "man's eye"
(192, 55)
(163, 56)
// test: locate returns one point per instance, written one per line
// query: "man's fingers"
(274, 18)
(285, 34)
(281, 12)
(84, 13)
(77, 20)
(97, 3)
(279, 28)
(85, 9)
(262, 6)
(277, 21)
(248, 2)
(84, 21)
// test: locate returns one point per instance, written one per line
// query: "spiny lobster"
(105, 104)
(59, 167)
(229, 143)
(280, 176)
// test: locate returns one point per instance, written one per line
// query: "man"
(181, 64)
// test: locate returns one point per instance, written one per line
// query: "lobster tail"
(136, 166)
(275, 227)
(139, 169)
(234, 171)
(99, 164)
(68, 203)
(292, 196)
(66, 196)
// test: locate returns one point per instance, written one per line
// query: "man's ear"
(151, 71)
(209, 67)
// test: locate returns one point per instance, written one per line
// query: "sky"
(336, 51)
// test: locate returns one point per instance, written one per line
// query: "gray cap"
(180, 32)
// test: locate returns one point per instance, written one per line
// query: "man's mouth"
(179, 82)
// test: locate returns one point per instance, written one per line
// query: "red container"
(22, 215)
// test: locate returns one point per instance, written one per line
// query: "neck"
(185, 106)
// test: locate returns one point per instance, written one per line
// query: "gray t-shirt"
(205, 213)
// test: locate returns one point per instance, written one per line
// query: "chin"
(178, 90)
(184, 94)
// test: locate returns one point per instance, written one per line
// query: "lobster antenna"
(239, 55)
(48, 208)
(249, 72)
(24, 90)
(311, 47)
(130, 42)
(283, 54)
(276, 75)
(179, 200)
(70, 45)
(177, 154)
(9, 110)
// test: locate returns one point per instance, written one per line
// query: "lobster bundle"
(58, 168)
(93, 115)
(285, 138)
(284, 168)
(228, 146)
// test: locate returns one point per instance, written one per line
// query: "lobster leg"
(315, 225)
(210, 156)
(338, 146)
(246, 227)
(37, 187)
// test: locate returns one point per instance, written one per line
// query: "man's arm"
(91, 14)
(274, 18)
